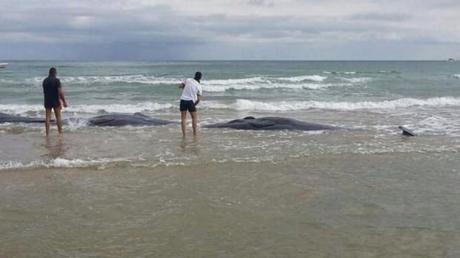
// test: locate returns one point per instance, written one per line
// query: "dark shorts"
(52, 103)
(187, 105)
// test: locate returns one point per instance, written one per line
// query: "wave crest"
(91, 109)
(244, 104)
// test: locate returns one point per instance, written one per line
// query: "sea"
(363, 191)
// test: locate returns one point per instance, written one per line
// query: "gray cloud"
(261, 3)
(224, 29)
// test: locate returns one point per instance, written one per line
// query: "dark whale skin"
(5, 118)
(271, 123)
(120, 119)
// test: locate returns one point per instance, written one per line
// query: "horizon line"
(230, 60)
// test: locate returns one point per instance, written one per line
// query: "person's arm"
(61, 95)
(181, 85)
(197, 99)
(198, 95)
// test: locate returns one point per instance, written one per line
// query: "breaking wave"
(141, 79)
(315, 78)
(298, 82)
(91, 109)
(243, 104)
(59, 163)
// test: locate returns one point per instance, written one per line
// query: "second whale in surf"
(6, 118)
(121, 119)
(271, 123)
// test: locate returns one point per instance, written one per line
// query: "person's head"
(198, 76)
(53, 72)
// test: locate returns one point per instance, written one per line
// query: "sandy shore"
(345, 206)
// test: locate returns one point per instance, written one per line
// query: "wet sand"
(360, 205)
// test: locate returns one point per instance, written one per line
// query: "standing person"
(54, 99)
(191, 96)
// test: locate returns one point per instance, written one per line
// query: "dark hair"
(198, 76)
(52, 71)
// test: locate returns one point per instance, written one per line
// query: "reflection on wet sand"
(190, 146)
(55, 147)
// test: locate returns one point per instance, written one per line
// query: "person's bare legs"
(47, 120)
(183, 120)
(57, 114)
(194, 122)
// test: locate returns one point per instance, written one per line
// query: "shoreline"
(347, 206)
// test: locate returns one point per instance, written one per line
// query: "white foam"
(348, 73)
(136, 78)
(314, 78)
(57, 163)
(457, 76)
(357, 79)
(256, 83)
(270, 85)
(312, 82)
(250, 80)
(91, 109)
(244, 104)
(438, 125)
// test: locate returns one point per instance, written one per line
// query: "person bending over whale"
(53, 99)
(191, 96)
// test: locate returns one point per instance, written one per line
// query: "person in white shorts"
(191, 96)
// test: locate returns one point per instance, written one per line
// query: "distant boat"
(450, 60)
(3, 65)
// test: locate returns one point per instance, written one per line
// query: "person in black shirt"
(53, 99)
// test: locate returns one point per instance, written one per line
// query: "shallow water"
(361, 205)
(363, 191)
(369, 99)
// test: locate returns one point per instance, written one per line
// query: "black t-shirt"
(51, 87)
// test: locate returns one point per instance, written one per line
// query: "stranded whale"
(120, 119)
(271, 123)
(5, 118)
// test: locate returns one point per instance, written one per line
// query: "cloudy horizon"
(226, 30)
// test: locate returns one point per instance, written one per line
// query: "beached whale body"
(5, 118)
(119, 119)
(271, 123)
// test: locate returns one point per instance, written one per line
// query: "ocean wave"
(348, 73)
(438, 125)
(91, 109)
(244, 104)
(270, 85)
(357, 79)
(311, 82)
(457, 76)
(314, 78)
(138, 78)
(59, 163)
(154, 80)
(250, 80)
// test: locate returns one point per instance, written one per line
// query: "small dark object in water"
(406, 131)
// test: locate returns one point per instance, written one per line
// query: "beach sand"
(324, 206)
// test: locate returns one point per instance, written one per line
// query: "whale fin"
(406, 131)
(140, 114)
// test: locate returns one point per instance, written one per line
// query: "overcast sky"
(229, 29)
